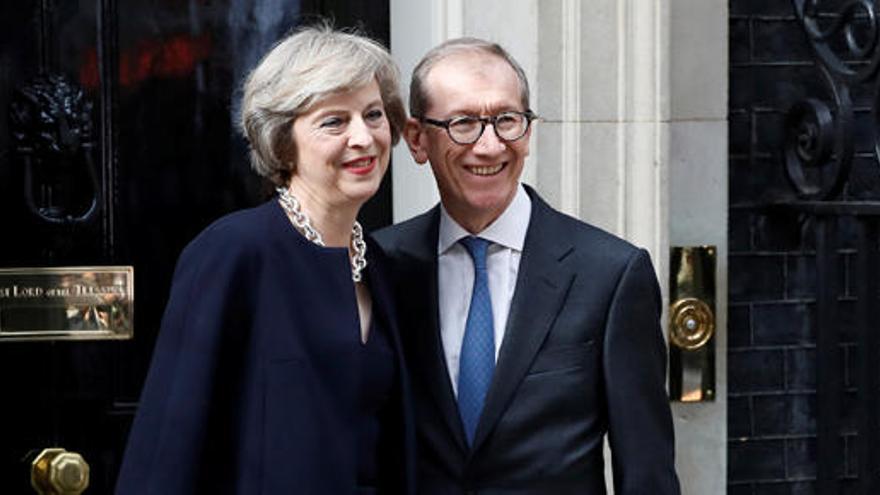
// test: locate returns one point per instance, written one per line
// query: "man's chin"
(479, 212)
(490, 202)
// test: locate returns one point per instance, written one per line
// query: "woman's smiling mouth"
(360, 166)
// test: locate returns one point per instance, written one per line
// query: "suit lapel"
(425, 318)
(541, 286)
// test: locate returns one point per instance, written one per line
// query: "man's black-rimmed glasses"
(508, 126)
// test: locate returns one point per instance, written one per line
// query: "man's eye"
(507, 120)
(464, 123)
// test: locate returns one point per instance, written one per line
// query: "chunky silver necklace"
(302, 222)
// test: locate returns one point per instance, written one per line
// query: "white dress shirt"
(455, 274)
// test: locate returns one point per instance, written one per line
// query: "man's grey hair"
(300, 70)
(418, 97)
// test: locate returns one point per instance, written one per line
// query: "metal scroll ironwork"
(856, 23)
(53, 135)
(818, 144)
(819, 136)
(819, 149)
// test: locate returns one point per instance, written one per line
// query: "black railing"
(820, 137)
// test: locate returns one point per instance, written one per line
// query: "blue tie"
(478, 347)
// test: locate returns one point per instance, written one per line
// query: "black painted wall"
(772, 332)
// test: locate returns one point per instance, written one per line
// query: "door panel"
(146, 131)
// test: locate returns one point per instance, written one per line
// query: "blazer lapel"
(424, 314)
(541, 286)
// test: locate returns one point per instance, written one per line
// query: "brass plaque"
(66, 303)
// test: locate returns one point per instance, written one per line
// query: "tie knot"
(477, 248)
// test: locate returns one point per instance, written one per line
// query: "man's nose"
(489, 142)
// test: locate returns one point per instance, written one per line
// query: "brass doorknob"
(692, 323)
(59, 472)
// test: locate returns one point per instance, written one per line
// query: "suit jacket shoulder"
(601, 244)
(547, 222)
(415, 234)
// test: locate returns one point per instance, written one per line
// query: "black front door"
(118, 144)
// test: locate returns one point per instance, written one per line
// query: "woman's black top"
(377, 373)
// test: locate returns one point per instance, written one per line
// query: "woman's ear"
(414, 135)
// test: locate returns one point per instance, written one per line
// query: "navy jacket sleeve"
(164, 453)
(640, 426)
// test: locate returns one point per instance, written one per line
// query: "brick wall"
(772, 333)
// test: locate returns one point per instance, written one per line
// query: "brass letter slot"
(692, 324)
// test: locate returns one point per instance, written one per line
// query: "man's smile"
(486, 170)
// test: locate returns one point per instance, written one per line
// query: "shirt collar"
(508, 230)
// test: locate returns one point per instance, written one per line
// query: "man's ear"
(414, 135)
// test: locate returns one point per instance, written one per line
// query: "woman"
(278, 367)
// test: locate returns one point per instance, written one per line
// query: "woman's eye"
(331, 123)
(375, 114)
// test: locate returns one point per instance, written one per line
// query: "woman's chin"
(358, 194)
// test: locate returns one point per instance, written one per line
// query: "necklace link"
(302, 222)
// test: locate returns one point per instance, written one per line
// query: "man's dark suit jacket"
(255, 381)
(583, 355)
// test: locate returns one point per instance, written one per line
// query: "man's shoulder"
(416, 230)
(590, 250)
(562, 228)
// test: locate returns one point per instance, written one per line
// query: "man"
(529, 334)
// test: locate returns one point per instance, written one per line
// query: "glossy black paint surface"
(162, 77)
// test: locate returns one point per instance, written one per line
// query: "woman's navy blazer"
(255, 375)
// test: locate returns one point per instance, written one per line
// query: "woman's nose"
(360, 135)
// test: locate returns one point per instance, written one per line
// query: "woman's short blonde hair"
(300, 70)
